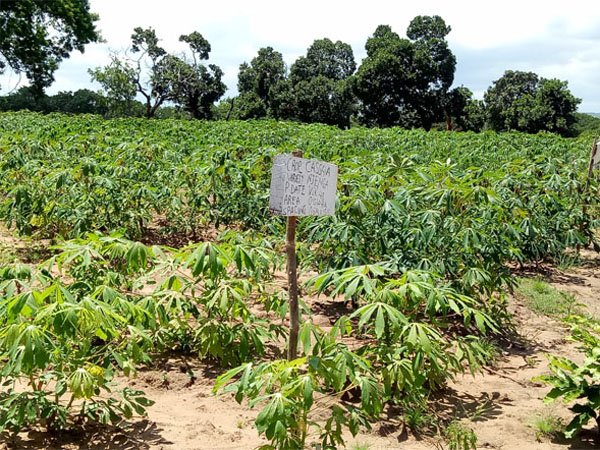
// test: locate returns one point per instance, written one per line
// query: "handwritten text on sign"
(302, 187)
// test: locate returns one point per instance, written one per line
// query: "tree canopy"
(402, 81)
(258, 83)
(160, 77)
(524, 102)
(405, 81)
(36, 35)
(320, 85)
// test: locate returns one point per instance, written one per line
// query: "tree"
(462, 110)
(384, 80)
(522, 101)
(82, 101)
(193, 85)
(321, 99)
(282, 104)
(558, 105)
(160, 77)
(248, 105)
(118, 82)
(36, 35)
(155, 89)
(434, 65)
(405, 81)
(500, 98)
(473, 117)
(325, 58)
(257, 81)
(25, 97)
(321, 91)
(427, 27)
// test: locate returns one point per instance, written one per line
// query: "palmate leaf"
(381, 318)
(81, 384)
(137, 256)
(357, 280)
(206, 258)
(28, 347)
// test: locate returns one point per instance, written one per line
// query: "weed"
(417, 418)
(531, 361)
(460, 437)
(361, 447)
(544, 299)
(547, 425)
(491, 350)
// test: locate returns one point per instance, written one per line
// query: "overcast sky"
(555, 39)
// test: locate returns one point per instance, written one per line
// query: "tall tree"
(500, 98)
(320, 84)
(385, 80)
(405, 81)
(118, 86)
(559, 106)
(257, 81)
(36, 35)
(435, 65)
(522, 101)
(160, 77)
(194, 85)
(334, 61)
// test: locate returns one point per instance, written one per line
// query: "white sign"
(302, 187)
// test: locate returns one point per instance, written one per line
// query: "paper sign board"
(302, 187)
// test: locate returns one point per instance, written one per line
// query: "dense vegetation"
(401, 82)
(425, 225)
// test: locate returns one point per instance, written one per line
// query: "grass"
(544, 299)
(547, 425)
(361, 447)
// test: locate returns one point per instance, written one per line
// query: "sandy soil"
(498, 404)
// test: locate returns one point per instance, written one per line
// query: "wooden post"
(592, 158)
(290, 249)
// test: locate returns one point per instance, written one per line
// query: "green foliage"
(190, 84)
(426, 225)
(118, 82)
(103, 305)
(547, 425)
(586, 125)
(37, 35)
(256, 84)
(460, 437)
(320, 83)
(544, 299)
(405, 81)
(571, 381)
(63, 343)
(290, 389)
(522, 101)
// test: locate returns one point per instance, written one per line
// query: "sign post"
(299, 187)
(594, 159)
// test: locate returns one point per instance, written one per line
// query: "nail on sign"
(302, 187)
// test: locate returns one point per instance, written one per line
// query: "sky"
(555, 39)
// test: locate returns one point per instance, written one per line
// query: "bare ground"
(499, 404)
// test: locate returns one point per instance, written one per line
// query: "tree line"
(402, 81)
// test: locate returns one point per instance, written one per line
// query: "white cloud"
(553, 38)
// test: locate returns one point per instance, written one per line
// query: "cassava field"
(143, 301)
